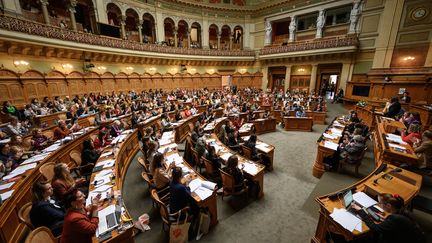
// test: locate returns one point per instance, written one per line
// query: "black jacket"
(49, 215)
(393, 110)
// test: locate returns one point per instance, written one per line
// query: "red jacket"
(77, 227)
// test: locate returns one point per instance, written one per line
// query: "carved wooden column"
(123, 26)
(72, 12)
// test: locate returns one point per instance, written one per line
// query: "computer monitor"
(348, 198)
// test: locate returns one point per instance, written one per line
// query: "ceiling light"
(409, 58)
(67, 66)
(21, 63)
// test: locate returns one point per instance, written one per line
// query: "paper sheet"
(346, 219)
(249, 168)
(6, 186)
(170, 147)
(35, 158)
(106, 154)
(331, 145)
(203, 192)
(106, 163)
(396, 146)
(6, 195)
(263, 147)
(363, 199)
(329, 136)
(225, 156)
(395, 138)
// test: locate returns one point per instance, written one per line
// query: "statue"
(268, 33)
(354, 17)
(292, 29)
(320, 24)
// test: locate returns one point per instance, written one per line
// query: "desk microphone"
(395, 170)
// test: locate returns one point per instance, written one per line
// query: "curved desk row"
(292, 123)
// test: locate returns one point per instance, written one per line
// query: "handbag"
(179, 230)
(204, 224)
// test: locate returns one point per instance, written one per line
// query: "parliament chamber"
(216, 121)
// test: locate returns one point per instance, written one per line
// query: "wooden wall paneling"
(122, 82)
(167, 80)
(34, 85)
(108, 82)
(57, 85)
(11, 88)
(135, 82)
(188, 82)
(257, 79)
(93, 82)
(216, 80)
(157, 82)
(197, 78)
(146, 81)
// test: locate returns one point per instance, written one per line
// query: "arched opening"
(195, 35)
(213, 36)
(169, 31)
(32, 10)
(114, 14)
(131, 22)
(85, 16)
(238, 37)
(182, 34)
(148, 29)
(225, 37)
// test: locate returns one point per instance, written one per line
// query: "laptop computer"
(347, 200)
(108, 219)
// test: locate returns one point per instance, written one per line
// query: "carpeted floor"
(286, 213)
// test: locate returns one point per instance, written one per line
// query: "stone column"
(218, 41)
(175, 38)
(44, 4)
(12, 7)
(205, 39)
(122, 27)
(189, 37)
(159, 25)
(72, 12)
(139, 27)
(388, 29)
(312, 83)
(346, 74)
(287, 77)
(231, 41)
(428, 62)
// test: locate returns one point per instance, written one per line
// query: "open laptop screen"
(348, 198)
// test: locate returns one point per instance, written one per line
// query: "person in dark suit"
(396, 227)
(394, 108)
(181, 194)
(45, 211)
(406, 98)
(353, 150)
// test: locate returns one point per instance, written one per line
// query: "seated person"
(423, 149)
(251, 143)
(353, 150)
(394, 108)
(396, 227)
(63, 182)
(181, 194)
(232, 142)
(10, 109)
(115, 129)
(197, 132)
(406, 98)
(353, 117)
(237, 122)
(74, 126)
(39, 141)
(151, 151)
(89, 155)
(101, 140)
(266, 114)
(222, 135)
(300, 112)
(233, 170)
(160, 174)
(80, 223)
(413, 134)
(410, 118)
(166, 124)
(16, 128)
(200, 147)
(45, 211)
(61, 131)
(213, 157)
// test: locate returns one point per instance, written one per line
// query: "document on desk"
(174, 158)
(103, 173)
(225, 156)
(396, 146)
(104, 190)
(169, 147)
(347, 220)
(336, 131)
(395, 138)
(249, 168)
(52, 148)
(6, 186)
(106, 154)
(119, 139)
(329, 136)
(331, 145)
(106, 163)
(263, 147)
(6, 195)
(35, 158)
(363, 199)
(20, 170)
(164, 141)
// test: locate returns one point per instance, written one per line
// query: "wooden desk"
(50, 119)
(367, 115)
(277, 114)
(388, 151)
(264, 125)
(225, 152)
(293, 123)
(405, 183)
(425, 115)
(210, 202)
(182, 128)
(214, 126)
(324, 150)
(317, 116)
(264, 148)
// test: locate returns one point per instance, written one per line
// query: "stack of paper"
(263, 147)
(106, 163)
(119, 139)
(52, 148)
(347, 220)
(20, 170)
(395, 138)
(329, 136)
(396, 146)
(174, 158)
(169, 147)
(249, 168)
(106, 154)
(225, 156)
(104, 190)
(203, 189)
(331, 145)
(363, 199)
(6, 195)
(6, 186)
(35, 158)
(337, 132)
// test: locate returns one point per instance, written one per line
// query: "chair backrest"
(227, 181)
(27, 143)
(191, 127)
(76, 157)
(91, 120)
(41, 235)
(146, 177)
(47, 170)
(247, 151)
(24, 215)
(143, 164)
(209, 166)
(163, 209)
(195, 156)
(49, 133)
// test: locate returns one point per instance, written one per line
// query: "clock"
(419, 13)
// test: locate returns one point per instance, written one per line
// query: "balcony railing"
(53, 32)
(340, 41)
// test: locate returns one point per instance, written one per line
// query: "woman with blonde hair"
(63, 182)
